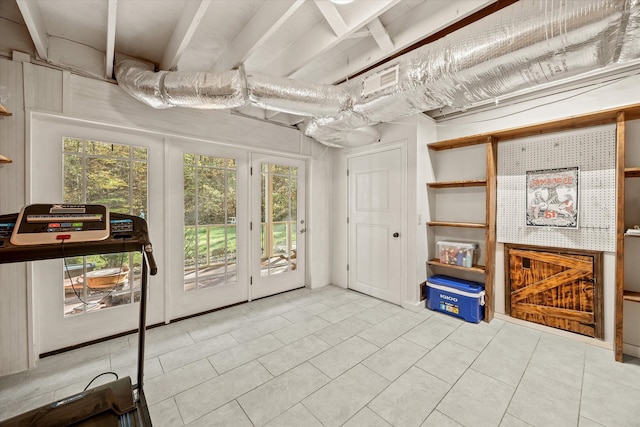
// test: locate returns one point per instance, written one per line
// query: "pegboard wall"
(593, 152)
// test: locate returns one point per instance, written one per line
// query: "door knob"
(396, 234)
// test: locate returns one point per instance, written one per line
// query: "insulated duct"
(523, 45)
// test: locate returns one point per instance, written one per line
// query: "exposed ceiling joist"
(111, 37)
(191, 16)
(267, 20)
(333, 17)
(319, 39)
(380, 35)
(35, 24)
(425, 24)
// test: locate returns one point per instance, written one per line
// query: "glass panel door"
(278, 225)
(209, 226)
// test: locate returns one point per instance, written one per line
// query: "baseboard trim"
(576, 337)
(631, 350)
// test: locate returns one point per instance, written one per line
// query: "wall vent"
(380, 80)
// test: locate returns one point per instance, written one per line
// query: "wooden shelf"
(632, 172)
(631, 296)
(631, 112)
(456, 224)
(475, 268)
(4, 111)
(458, 184)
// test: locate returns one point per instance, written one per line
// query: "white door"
(376, 189)
(277, 225)
(80, 299)
(208, 226)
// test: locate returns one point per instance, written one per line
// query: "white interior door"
(277, 225)
(208, 226)
(376, 188)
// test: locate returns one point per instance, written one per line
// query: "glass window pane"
(71, 145)
(101, 172)
(108, 183)
(72, 191)
(210, 215)
(189, 195)
(279, 217)
(139, 189)
(281, 194)
(189, 159)
(139, 153)
(211, 196)
(279, 169)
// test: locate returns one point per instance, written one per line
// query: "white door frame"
(402, 145)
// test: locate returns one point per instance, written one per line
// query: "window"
(114, 175)
(210, 254)
(278, 218)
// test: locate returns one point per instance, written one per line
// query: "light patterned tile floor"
(333, 357)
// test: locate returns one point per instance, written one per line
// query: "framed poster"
(552, 198)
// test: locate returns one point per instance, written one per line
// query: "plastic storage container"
(457, 297)
(458, 253)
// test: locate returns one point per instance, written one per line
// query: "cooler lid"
(454, 282)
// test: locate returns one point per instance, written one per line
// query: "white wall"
(580, 101)
(104, 104)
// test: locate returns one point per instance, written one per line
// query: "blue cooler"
(457, 297)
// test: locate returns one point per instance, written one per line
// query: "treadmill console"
(44, 224)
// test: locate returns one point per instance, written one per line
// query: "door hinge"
(347, 220)
(347, 267)
(251, 280)
(251, 226)
(347, 172)
(251, 171)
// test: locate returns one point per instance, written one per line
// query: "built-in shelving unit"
(4, 112)
(622, 293)
(488, 225)
(615, 115)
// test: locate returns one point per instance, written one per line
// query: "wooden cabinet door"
(555, 287)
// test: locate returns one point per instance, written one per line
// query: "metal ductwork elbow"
(524, 45)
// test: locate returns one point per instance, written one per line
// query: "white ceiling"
(310, 40)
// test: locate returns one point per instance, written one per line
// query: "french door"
(278, 225)
(208, 227)
(78, 299)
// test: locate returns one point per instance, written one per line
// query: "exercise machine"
(48, 231)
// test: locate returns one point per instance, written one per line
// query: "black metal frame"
(126, 241)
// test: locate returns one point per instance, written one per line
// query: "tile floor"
(332, 357)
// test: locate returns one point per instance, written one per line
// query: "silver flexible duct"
(524, 45)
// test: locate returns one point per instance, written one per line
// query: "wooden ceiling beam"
(189, 21)
(111, 37)
(265, 22)
(332, 16)
(320, 38)
(32, 16)
(380, 35)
